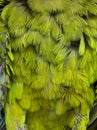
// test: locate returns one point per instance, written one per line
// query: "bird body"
(51, 63)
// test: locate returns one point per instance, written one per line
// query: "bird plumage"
(51, 63)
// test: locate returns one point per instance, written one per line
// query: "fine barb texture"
(51, 62)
